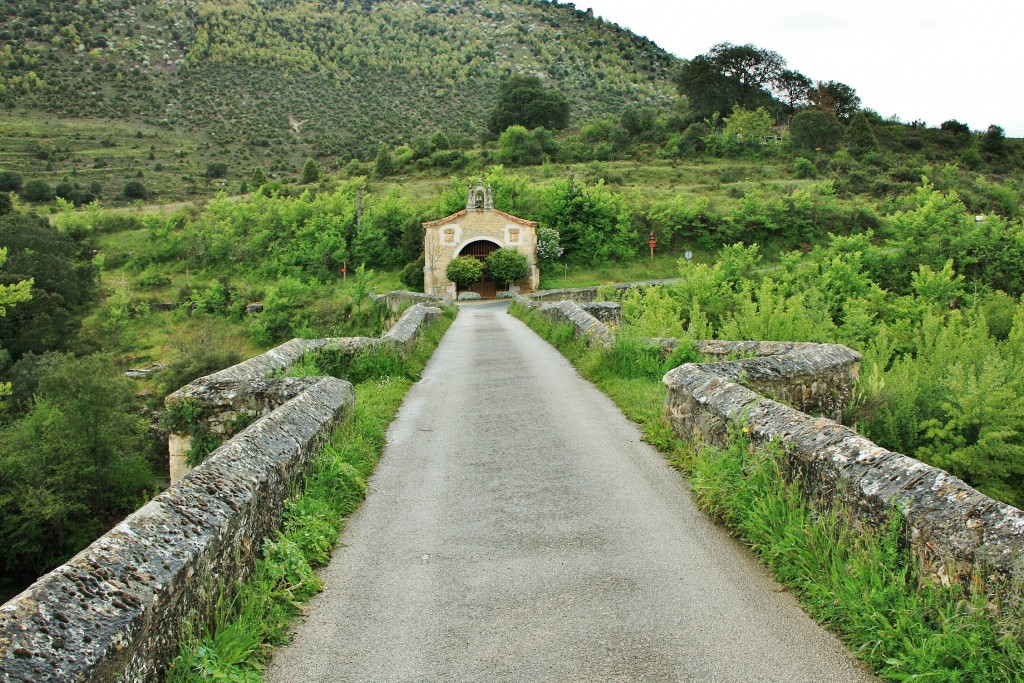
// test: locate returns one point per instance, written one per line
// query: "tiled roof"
(460, 214)
(517, 219)
(434, 224)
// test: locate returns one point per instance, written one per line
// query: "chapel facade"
(476, 231)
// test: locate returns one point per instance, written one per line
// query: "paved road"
(517, 529)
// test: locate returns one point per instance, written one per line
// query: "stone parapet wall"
(582, 295)
(808, 377)
(397, 299)
(606, 311)
(114, 611)
(956, 533)
(403, 333)
(244, 391)
(586, 325)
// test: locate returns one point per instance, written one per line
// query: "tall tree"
(385, 165)
(729, 75)
(792, 89)
(859, 137)
(72, 465)
(259, 178)
(64, 282)
(993, 142)
(524, 101)
(836, 98)
(310, 172)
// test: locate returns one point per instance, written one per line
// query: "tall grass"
(863, 585)
(236, 642)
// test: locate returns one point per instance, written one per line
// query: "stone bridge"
(112, 613)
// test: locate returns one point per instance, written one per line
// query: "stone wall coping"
(252, 371)
(398, 298)
(586, 324)
(405, 330)
(113, 612)
(582, 294)
(956, 532)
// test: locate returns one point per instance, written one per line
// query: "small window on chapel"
(449, 235)
(513, 234)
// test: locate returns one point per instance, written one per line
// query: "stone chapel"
(476, 231)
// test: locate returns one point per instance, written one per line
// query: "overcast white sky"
(932, 60)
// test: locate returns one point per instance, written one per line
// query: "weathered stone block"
(956, 533)
(595, 331)
(606, 311)
(114, 611)
(397, 299)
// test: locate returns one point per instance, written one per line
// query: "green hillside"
(271, 83)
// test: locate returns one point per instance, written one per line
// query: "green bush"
(814, 130)
(310, 172)
(373, 362)
(507, 265)
(135, 189)
(10, 181)
(464, 271)
(412, 275)
(37, 191)
(152, 279)
(804, 168)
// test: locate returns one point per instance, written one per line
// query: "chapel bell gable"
(479, 198)
(477, 231)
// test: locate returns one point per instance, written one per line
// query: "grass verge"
(862, 585)
(245, 627)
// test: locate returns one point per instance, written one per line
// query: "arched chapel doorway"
(486, 287)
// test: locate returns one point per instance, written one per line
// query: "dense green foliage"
(524, 101)
(272, 84)
(64, 282)
(507, 265)
(729, 75)
(518, 146)
(464, 271)
(73, 464)
(939, 323)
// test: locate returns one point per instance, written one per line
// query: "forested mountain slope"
(324, 78)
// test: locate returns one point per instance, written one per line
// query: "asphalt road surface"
(517, 529)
